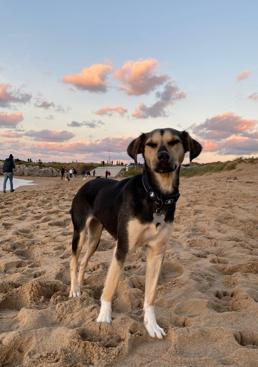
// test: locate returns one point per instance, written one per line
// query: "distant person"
(94, 173)
(74, 172)
(62, 173)
(107, 173)
(67, 175)
(71, 172)
(8, 167)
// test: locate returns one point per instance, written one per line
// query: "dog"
(135, 211)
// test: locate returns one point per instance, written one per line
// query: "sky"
(79, 80)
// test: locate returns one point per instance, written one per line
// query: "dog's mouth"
(165, 167)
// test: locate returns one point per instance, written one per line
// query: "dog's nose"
(163, 155)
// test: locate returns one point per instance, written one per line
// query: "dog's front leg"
(110, 286)
(155, 254)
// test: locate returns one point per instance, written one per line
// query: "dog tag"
(158, 218)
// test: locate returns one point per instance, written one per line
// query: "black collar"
(161, 202)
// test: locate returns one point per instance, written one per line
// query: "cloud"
(167, 97)
(101, 146)
(10, 120)
(65, 151)
(91, 124)
(228, 134)
(10, 134)
(92, 79)
(111, 110)
(50, 135)
(44, 104)
(139, 77)
(239, 145)
(210, 146)
(224, 125)
(254, 97)
(243, 75)
(9, 95)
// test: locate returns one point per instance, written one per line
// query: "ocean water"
(16, 183)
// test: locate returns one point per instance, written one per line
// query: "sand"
(207, 298)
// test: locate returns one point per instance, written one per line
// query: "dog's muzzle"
(165, 164)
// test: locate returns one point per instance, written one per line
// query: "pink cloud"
(240, 145)
(100, 146)
(10, 134)
(209, 146)
(224, 125)
(111, 110)
(243, 75)
(254, 97)
(229, 134)
(139, 77)
(9, 95)
(92, 78)
(50, 135)
(167, 97)
(10, 120)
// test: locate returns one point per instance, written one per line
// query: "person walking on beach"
(8, 167)
(62, 173)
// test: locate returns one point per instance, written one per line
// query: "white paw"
(150, 323)
(75, 292)
(105, 312)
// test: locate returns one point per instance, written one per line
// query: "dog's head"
(164, 149)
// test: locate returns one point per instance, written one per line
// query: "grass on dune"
(196, 169)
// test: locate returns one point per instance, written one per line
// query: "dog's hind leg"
(94, 229)
(77, 243)
(155, 257)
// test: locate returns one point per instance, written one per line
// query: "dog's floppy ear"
(190, 145)
(136, 147)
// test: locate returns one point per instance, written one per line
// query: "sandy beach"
(207, 298)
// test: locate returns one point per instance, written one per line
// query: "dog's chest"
(141, 234)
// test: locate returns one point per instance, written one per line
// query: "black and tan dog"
(135, 211)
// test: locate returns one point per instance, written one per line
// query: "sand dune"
(207, 298)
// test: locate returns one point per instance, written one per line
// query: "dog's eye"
(173, 142)
(152, 145)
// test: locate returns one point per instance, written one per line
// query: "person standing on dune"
(8, 167)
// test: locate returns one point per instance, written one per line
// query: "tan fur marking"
(143, 234)
(92, 240)
(154, 261)
(165, 181)
(74, 260)
(112, 279)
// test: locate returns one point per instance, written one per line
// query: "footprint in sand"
(225, 301)
(247, 339)
(171, 269)
(218, 260)
(36, 292)
(7, 225)
(249, 267)
(107, 341)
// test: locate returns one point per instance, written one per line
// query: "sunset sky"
(79, 80)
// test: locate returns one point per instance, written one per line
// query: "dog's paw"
(154, 330)
(105, 312)
(75, 292)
